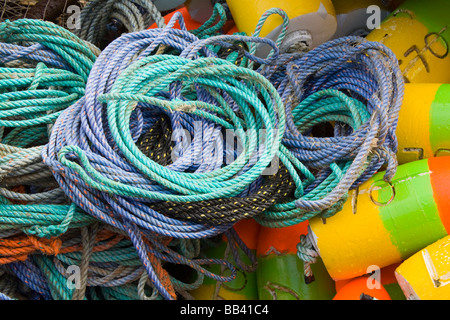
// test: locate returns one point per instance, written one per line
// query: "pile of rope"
(101, 21)
(44, 69)
(124, 162)
(354, 84)
(93, 151)
(108, 266)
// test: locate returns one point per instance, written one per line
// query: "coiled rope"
(357, 85)
(92, 148)
(109, 151)
(108, 264)
(44, 69)
(102, 17)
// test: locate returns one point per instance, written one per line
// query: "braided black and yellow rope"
(156, 144)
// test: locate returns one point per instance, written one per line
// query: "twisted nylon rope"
(308, 254)
(41, 41)
(5, 297)
(19, 247)
(262, 194)
(157, 144)
(31, 99)
(112, 266)
(44, 69)
(112, 179)
(357, 85)
(102, 17)
(213, 26)
(54, 65)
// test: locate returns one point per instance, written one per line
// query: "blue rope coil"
(355, 84)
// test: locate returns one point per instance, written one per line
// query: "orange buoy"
(362, 288)
(385, 276)
(189, 22)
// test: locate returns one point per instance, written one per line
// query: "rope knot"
(50, 246)
(53, 230)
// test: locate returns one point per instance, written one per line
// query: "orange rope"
(162, 273)
(17, 248)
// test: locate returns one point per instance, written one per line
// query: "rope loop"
(349, 91)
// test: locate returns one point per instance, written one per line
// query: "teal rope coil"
(52, 73)
(43, 70)
(49, 220)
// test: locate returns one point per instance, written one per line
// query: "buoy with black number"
(423, 128)
(384, 223)
(244, 286)
(280, 272)
(358, 17)
(311, 22)
(419, 35)
(426, 274)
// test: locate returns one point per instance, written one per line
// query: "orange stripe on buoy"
(190, 24)
(441, 188)
(282, 239)
(247, 230)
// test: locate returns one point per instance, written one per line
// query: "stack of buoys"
(227, 150)
(418, 35)
(280, 272)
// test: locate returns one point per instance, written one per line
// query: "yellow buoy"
(385, 223)
(426, 274)
(423, 128)
(418, 33)
(311, 22)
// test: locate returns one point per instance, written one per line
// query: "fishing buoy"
(244, 286)
(188, 21)
(202, 10)
(423, 129)
(311, 22)
(280, 272)
(384, 223)
(418, 33)
(362, 288)
(426, 274)
(356, 17)
(384, 276)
